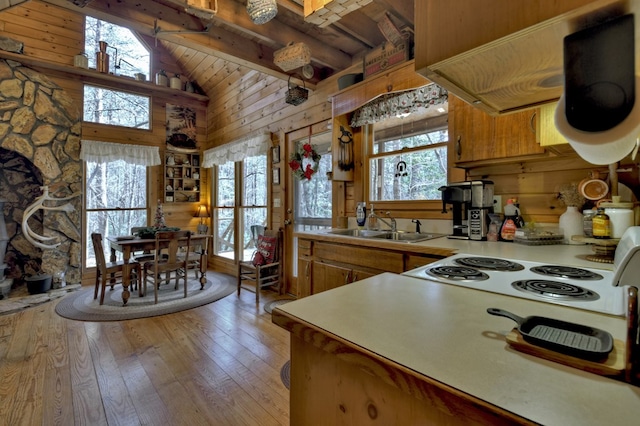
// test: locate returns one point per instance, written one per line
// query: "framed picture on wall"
(275, 154)
(276, 176)
(181, 128)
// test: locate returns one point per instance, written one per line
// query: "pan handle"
(503, 313)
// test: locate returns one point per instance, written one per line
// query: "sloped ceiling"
(210, 50)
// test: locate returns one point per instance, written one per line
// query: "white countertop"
(443, 332)
(570, 255)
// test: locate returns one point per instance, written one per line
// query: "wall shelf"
(181, 177)
(93, 76)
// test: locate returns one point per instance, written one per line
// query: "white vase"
(571, 224)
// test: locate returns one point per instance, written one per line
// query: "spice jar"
(601, 224)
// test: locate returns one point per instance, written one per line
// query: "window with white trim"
(408, 162)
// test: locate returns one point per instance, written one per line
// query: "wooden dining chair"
(107, 272)
(158, 271)
(265, 268)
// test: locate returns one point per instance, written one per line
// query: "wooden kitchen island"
(396, 350)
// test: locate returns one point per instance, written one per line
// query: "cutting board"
(623, 362)
(613, 366)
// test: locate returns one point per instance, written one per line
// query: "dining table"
(130, 244)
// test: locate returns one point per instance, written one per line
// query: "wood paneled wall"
(245, 101)
(56, 35)
(536, 183)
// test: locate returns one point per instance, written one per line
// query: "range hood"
(524, 69)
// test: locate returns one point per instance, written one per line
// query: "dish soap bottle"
(361, 214)
(372, 220)
(512, 221)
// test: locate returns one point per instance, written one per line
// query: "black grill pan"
(564, 337)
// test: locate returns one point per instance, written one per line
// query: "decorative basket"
(296, 94)
(292, 56)
(262, 11)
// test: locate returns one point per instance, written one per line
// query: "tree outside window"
(313, 198)
(127, 56)
(116, 201)
(408, 167)
(250, 208)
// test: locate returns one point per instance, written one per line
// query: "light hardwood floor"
(218, 364)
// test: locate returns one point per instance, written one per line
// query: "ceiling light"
(262, 11)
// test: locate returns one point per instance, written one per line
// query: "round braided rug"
(82, 306)
(268, 307)
(285, 374)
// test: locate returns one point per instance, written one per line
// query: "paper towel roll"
(605, 147)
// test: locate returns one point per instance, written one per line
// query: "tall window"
(224, 210)
(250, 208)
(254, 201)
(127, 56)
(115, 201)
(313, 197)
(409, 165)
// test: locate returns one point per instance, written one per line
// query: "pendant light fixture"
(262, 11)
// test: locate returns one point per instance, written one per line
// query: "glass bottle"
(587, 222)
(372, 220)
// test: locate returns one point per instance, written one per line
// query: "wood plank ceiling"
(211, 50)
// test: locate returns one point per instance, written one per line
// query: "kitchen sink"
(409, 237)
(362, 233)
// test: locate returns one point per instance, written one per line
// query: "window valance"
(104, 152)
(395, 104)
(256, 144)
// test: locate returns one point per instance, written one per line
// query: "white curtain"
(249, 146)
(105, 152)
(394, 104)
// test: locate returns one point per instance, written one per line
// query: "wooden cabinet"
(181, 177)
(327, 276)
(502, 54)
(325, 265)
(304, 268)
(479, 137)
(397, 78)
(414, 261)
(547, 131)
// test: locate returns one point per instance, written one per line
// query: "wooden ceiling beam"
(183, 31)
(182, 28)
(235, 16)
(360, 26)
(291, 6)
(403, 10)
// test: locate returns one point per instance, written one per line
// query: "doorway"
(308, 203)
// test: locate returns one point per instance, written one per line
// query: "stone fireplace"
(40, 130)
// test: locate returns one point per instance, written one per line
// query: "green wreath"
(304, 163)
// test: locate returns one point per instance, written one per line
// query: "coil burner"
(575, 286)
(567, 272)
(489, 263)
(555, 290)
(457, 273)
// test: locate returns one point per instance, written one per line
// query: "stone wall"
(40, 130)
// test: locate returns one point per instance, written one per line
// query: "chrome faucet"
(391, 225)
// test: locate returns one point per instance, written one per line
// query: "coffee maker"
(471, 203)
